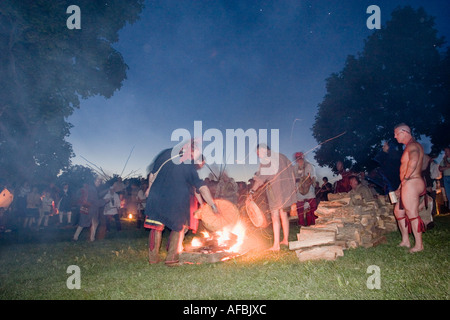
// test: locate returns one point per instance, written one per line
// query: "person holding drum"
(276, 175)
(171, 179)
(306, 178)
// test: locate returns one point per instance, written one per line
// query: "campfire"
(222, 239)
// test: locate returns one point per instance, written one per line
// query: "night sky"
(230, 64)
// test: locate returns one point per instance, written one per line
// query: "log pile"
(341, 225)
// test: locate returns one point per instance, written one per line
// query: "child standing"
(112, 208)
(32, 211)
(46, 208)
(65, 205)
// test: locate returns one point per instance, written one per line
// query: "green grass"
(33, 266)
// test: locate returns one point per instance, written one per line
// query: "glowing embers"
(216, 246)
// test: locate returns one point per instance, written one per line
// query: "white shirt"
(302, 173)
(141, 196)
(110, 208)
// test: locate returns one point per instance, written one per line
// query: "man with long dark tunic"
(172, 175)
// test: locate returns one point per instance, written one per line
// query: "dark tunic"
(90, 198)
(169, 196)
(65, 204)
(390, 165)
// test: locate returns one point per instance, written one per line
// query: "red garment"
(310, 216)
(193, 224)
(423, 194)
(420, 228)
(343, 185)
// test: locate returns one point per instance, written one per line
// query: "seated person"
(343, 185)
(325, 190)
(359, 193)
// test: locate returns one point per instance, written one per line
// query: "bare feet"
(405, 244)
(416, 249)
(274, 248)
(284, 243)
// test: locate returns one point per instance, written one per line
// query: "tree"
(76, 176)
(397, 78)
(440, 137)
(46, 68)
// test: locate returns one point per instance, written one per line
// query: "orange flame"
(222, 237)
(196, 242)
(205, 234)
(239, 231)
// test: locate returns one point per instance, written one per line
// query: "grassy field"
(33, 266)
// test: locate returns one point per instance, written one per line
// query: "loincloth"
(424, 193)
(421, 226)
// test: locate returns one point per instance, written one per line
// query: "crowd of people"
(408, 172)
(95, 205)
(164, 199)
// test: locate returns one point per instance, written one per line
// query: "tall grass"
(33, 266)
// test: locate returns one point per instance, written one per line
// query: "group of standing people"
(93, 206)
(285, 183)
(173, 180)
(100, 203)
(33, 206)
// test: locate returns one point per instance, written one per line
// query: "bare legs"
(93, 229)
(279, 220)
(410, 192)
(174, 250)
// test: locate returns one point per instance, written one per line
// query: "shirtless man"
(411, 188)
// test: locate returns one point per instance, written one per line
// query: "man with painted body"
(412, 186)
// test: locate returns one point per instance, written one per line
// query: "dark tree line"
(402, 75)
(46, 68)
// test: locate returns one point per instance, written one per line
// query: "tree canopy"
(400, 76)
(46, 69)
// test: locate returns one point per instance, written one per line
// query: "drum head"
(255, 214)
(228, 216)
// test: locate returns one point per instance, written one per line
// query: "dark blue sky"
(230, 64)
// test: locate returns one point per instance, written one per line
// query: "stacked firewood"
(342, 224)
